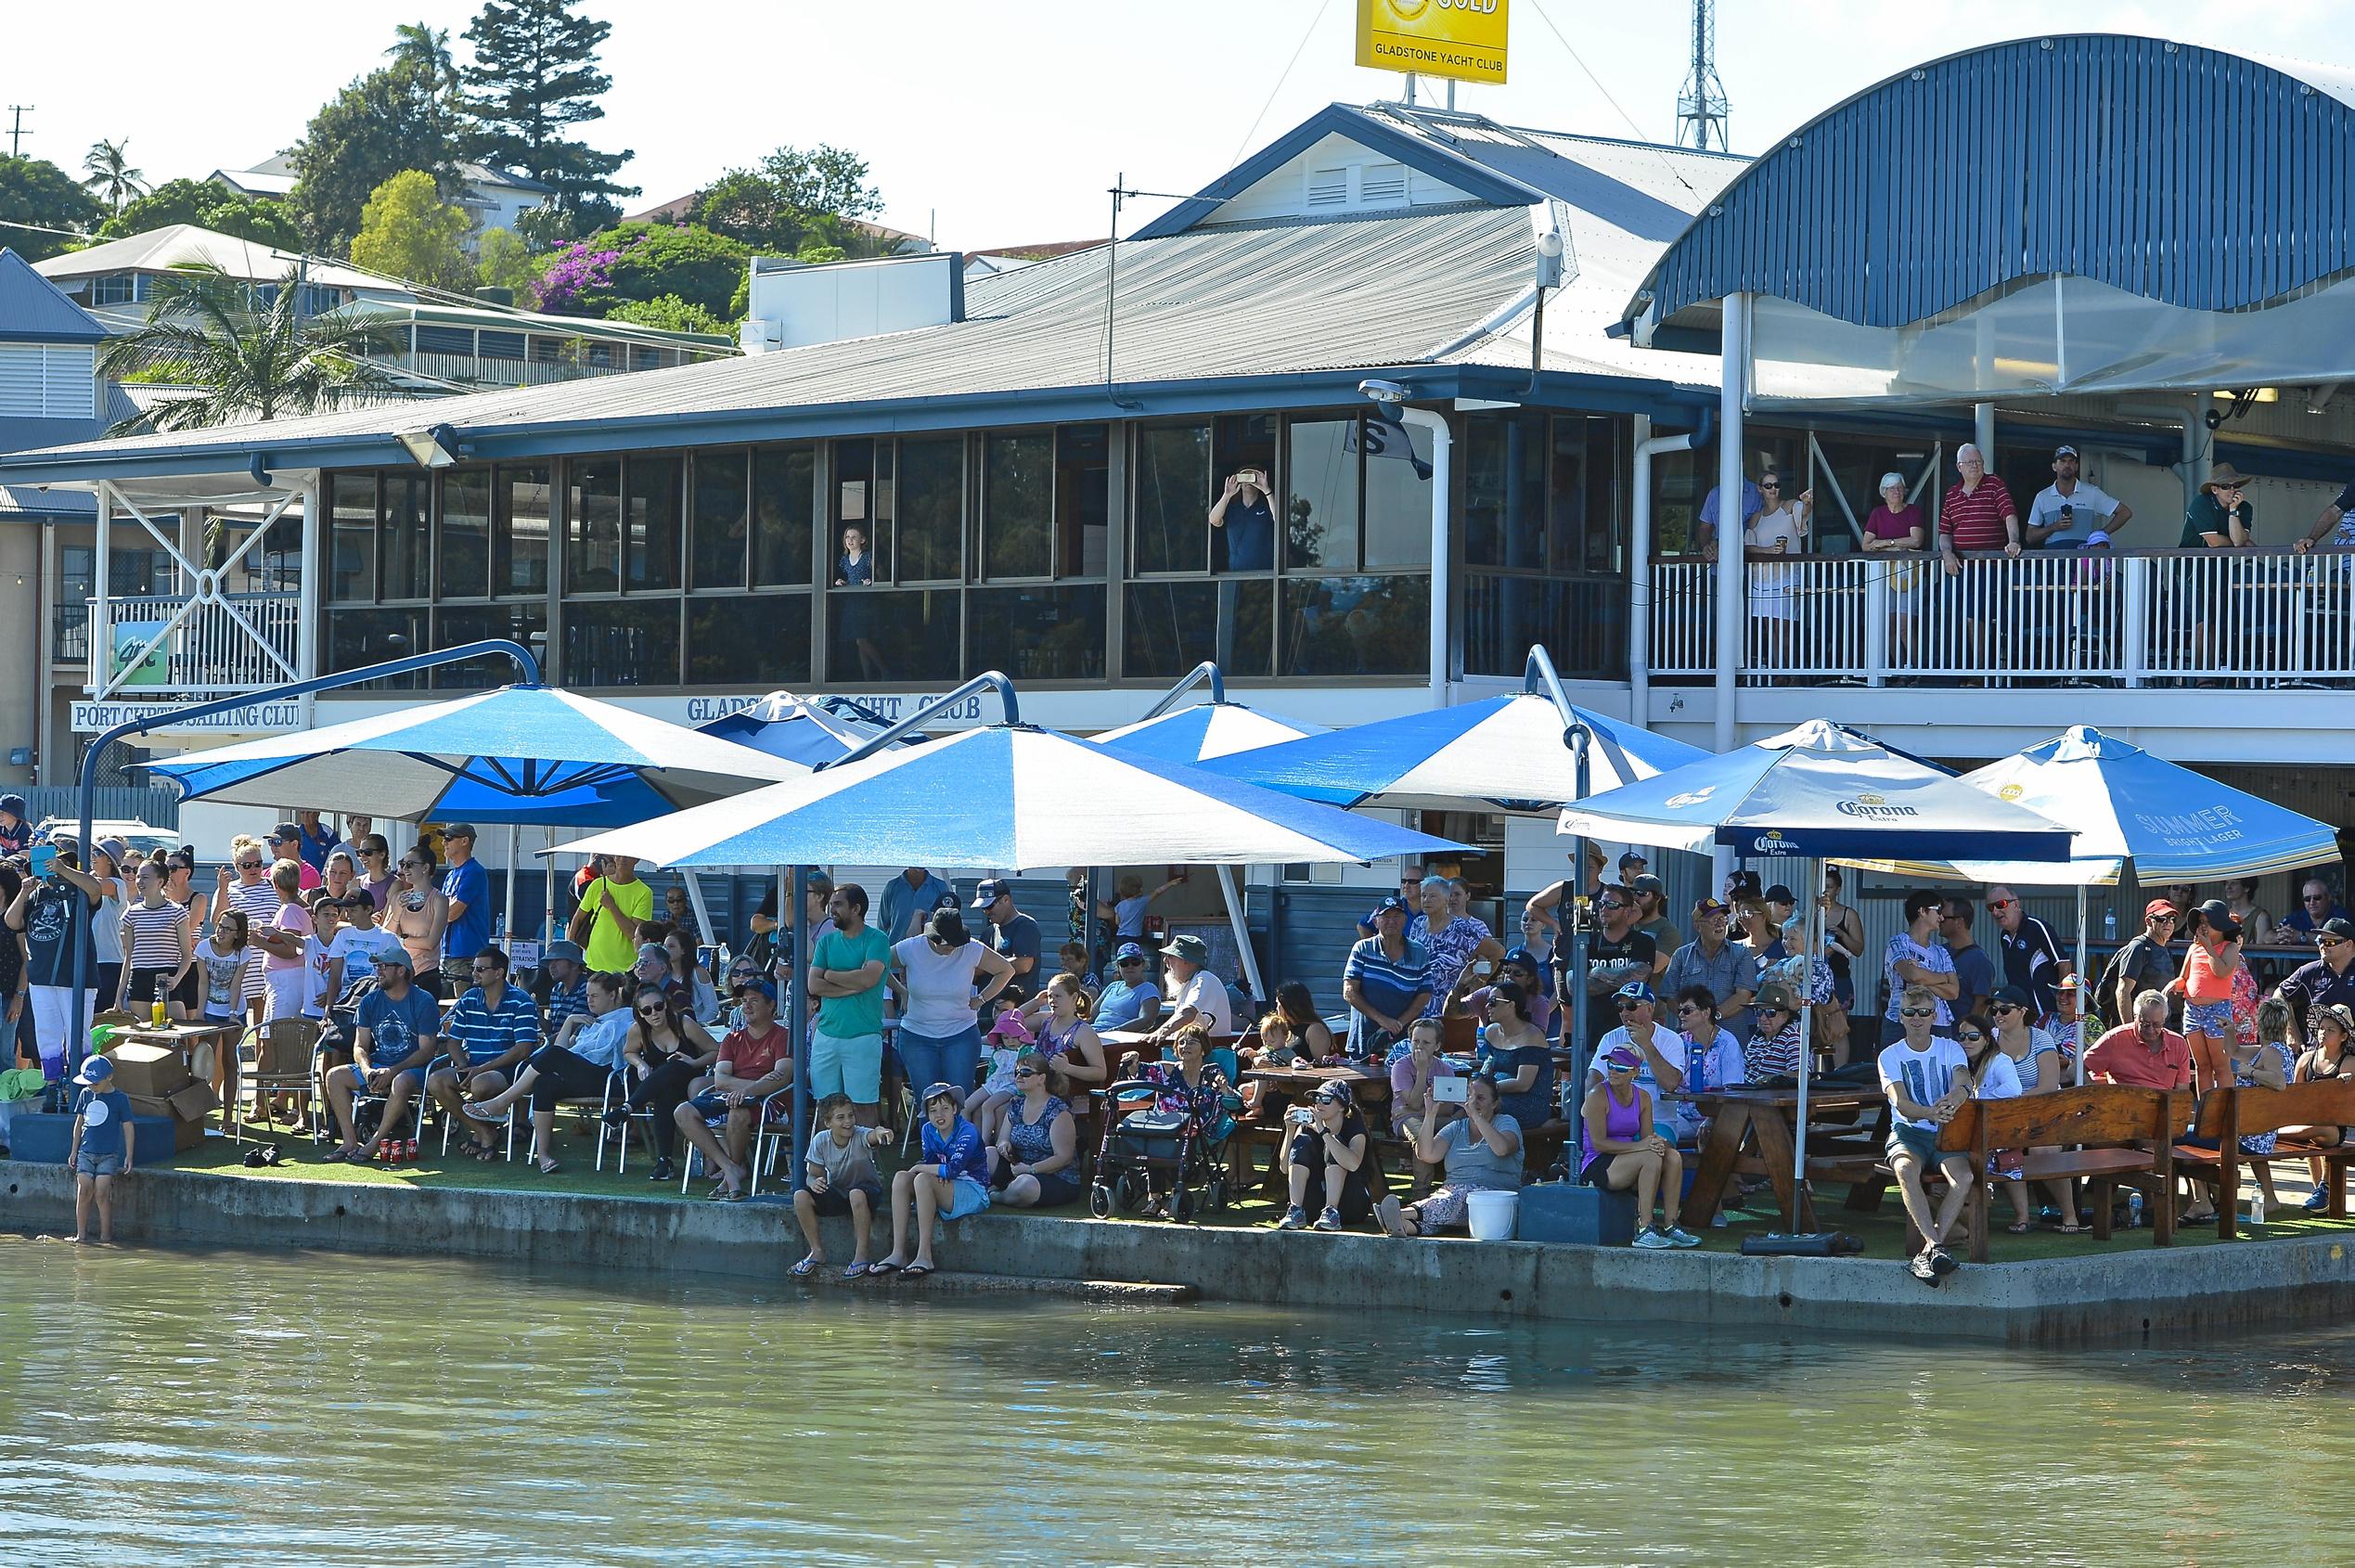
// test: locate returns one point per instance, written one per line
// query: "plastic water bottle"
(2134, 1209)
(2109, 925)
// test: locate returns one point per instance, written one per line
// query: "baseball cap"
(555, 950)
(2065, 451)
(1336, 1091)
(1128, 952)
(455, 831)
(395, 955)
(816, 882)
(1647, 883)
(2338, 926)
(95, 1069)
(1778, 893)
(289, 830)
(2014, 994)
(13, 806)
(766, 988)
(991, 889)
(1636, 991)
(1622, 1058)
(1633, 858)
(1775, 995)
(1385, 907)
(2157, 906)
(1189, 946)
(1524, 958)
(1710, 906)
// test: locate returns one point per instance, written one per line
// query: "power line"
(1243, 145)
(1640, 135)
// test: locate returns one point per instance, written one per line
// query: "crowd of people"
(1006, 1049)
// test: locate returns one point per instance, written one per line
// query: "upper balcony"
(2248, 619)
(169, 646)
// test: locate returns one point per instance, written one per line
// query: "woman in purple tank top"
(1622, 1152)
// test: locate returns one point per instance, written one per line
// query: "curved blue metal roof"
(2196, 179)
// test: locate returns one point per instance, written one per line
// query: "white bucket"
(1491, 1214)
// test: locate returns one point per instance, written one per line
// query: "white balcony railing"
(2239, 617)
(222, 645)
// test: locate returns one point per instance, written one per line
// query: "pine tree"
(532, 76)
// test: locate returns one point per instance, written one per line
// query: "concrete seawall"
(2132, 1291)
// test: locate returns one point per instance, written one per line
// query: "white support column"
(101, 628)
(1983, 432)
(306, 631)
(1733, 603)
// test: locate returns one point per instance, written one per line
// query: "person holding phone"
(1326, 1154)
(1480, 1151)
(1246, 521)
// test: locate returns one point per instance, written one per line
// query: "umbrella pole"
(547, 890)
(1249, 959)
(1806, 1036)
(797, 1019)
(702, 910)
(2084, 995)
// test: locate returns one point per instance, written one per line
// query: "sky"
(999, 122)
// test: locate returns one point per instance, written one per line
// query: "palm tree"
(427, 45)
(112, 180)
(254, 359)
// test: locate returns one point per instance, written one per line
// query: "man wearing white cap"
(2069, 512)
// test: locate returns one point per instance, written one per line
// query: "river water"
(169, 1407)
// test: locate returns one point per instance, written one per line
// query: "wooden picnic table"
(1761, 1125)
(1281, 1087)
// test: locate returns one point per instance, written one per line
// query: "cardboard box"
(182, 1112)
(155, 1072)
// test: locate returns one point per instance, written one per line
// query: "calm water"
(194, 1407)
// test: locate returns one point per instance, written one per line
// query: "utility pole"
(16, 131)
(1702, 110)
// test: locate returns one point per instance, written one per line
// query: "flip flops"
(877, 1270)
(855, 1270)
(916, 1271)
(806, 1268)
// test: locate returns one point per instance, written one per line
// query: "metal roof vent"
(1328, 187)
(1383, 185)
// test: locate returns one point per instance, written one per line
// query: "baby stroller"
(1148, 1148)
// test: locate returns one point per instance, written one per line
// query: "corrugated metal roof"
(32, 309)
(25, 502)
(2196, 179)
(1228, 303)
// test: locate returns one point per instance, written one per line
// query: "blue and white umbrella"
(1010, 798)
(520, 755)
(1507, 751)
(1823, 793)
(2174, 824)
(801, 729)
(1204, 731)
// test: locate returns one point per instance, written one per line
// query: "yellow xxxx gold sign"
(1464, 39)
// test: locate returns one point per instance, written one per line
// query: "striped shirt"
(1387, 984)
(1974, 519)
(260, 902)
(563, 1004)
(485, 1031)
(154, 935)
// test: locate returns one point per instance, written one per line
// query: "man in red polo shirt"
(2144, 1054)
(754, 1063)
(1977, 514)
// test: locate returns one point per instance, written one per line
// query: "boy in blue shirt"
(100, 1149)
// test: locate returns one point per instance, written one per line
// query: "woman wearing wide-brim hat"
(2218, 517)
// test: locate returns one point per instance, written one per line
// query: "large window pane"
(1320, 507)
(1018, 478)
(526, 624)
(1587, 532)
(1504, 490)
(628, 642)
(757, 642)
(928, 518)
(1037, 634)
(1173, 499)
(466, 534)
(593, 526)
(403, 547)
(718, 531)
(1083, 499)
(649, 520)
(862, 507)
(877, 635)
(357, 637)
(1170, 627)
(351, 547)
(1357, 626)
(1582, 621)
(519, 537)
(1398, 480)
(784, 479)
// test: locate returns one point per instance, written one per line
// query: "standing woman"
(155, 934)
(1842, 938)
(1897, 527)
(286, 969)
(417, 914)
(179, 886)
(2207, 986)
(935, 976)
(102, 885)
(248, 891)
(375, 869)
(1068, 1044)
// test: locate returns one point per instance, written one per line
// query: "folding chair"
(285, 1060)
(767, 1135)
(617, 1095)
(516, 1111)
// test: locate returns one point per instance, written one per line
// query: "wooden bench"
(2101, 1134)
(2228, 1116)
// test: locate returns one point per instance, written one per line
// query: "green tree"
(416, 42)
(386, 122)
(534, 76)
(207, 205)
(697, 266)
(796, 199)
(503, 260)
(406, 230)
(111, 178)
(35, 191)
(671, 314)
(253, 360)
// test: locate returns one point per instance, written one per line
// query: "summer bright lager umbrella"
(1823, 793)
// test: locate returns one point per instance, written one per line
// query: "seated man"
(1927, 1079)
(586, 1053)
(493, 1028)
(754, 1063)
(1481, 1151)
(396, 1035)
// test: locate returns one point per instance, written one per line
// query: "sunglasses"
(649, 1012)
(1917, 1012)
(248, 865)
(1688, 1009)
(1972, 1039)
(1630, 1006)
(2330, 941)
(2000, 902)
(2316, 899)
(2009, 1007)
(1025, 1071)
(485, 968)
(1132, 963)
